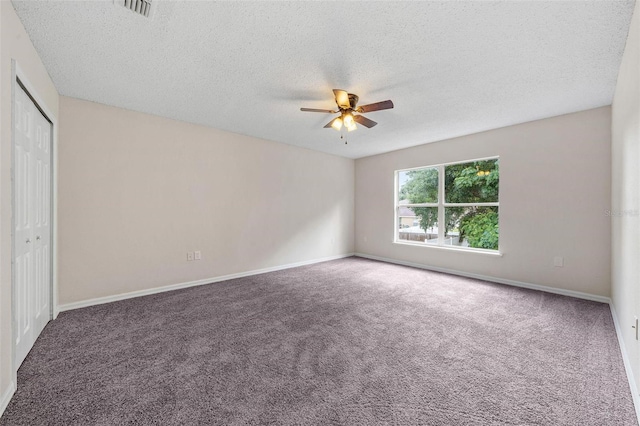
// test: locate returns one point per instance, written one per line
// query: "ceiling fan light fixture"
(347, 106)
(347, 118)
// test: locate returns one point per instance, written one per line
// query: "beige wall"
(554, 192)
(14, 44)
(625, 129)
(138, 191)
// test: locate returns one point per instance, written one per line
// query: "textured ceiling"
(451, 68)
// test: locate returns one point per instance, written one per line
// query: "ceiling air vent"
(141, 7)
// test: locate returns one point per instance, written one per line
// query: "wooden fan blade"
(328, 111)
(364, 121)
(331, 122)
(342, 98)
(376, 107)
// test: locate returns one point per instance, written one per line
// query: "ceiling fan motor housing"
(353, 100)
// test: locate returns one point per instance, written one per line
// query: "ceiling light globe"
(348, 120)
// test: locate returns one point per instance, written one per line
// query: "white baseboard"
(6, 397)
(123, 296)
(576, 294)
(627, 362)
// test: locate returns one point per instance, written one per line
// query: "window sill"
(458, 249)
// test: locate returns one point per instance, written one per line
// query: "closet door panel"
(32, 221)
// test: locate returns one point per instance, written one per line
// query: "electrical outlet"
(558, 261)
(197, 255)
(189, 255)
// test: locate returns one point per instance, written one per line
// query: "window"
(463, 197)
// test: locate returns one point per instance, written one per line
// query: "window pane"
(418, 186)
(418, 224)
(473, 182)
(475, 227)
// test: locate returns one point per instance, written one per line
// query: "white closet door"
(42, 224)
(32, 210)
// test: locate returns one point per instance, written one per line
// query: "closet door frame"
(20, 81)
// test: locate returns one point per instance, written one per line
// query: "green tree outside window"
(472, 182)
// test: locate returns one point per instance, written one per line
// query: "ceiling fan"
(347, 107)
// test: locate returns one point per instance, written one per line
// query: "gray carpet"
(346, 342)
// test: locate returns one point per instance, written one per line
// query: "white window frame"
(441, 205)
